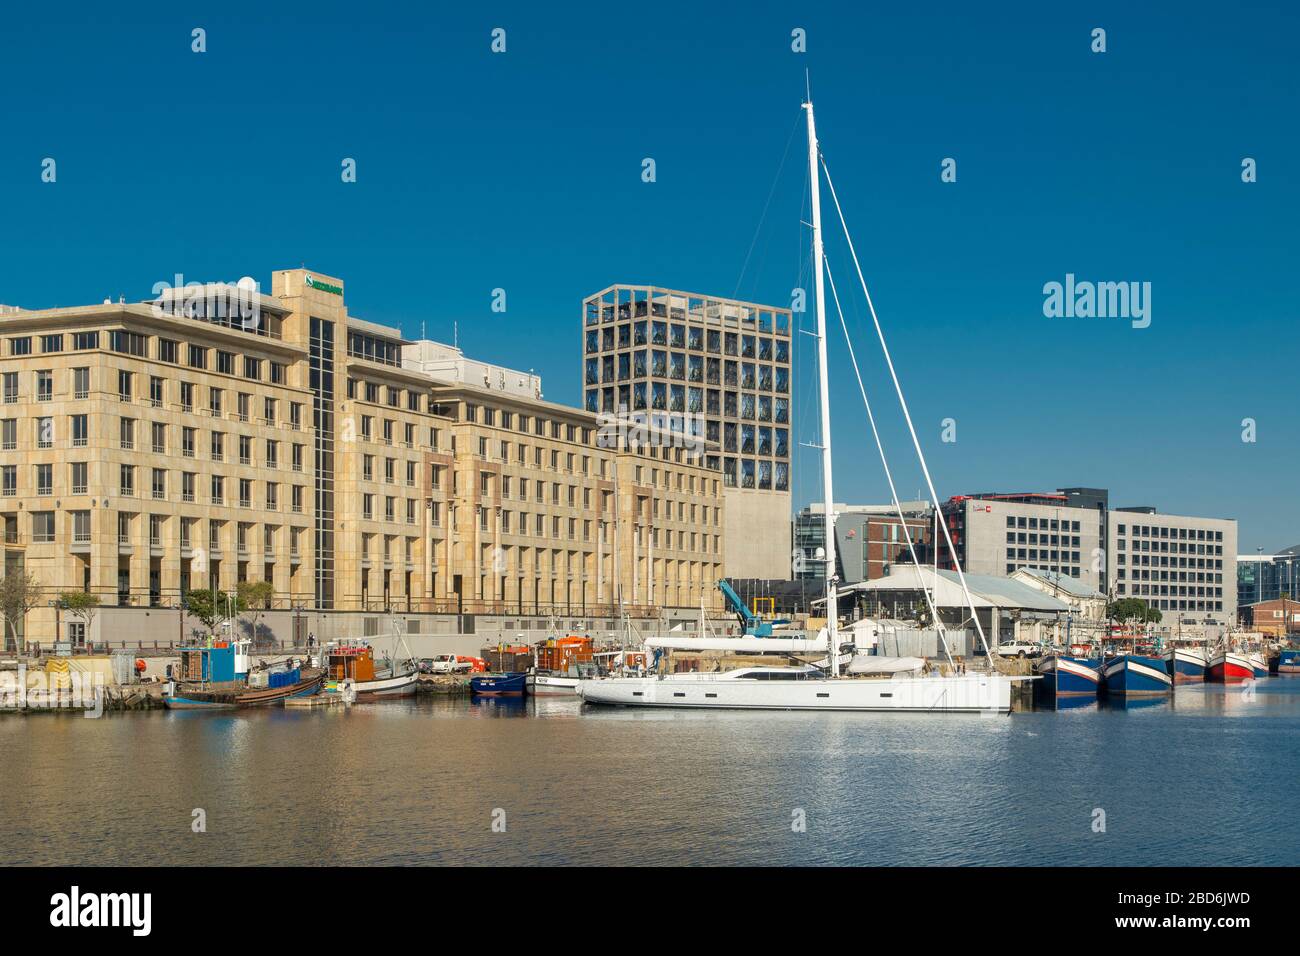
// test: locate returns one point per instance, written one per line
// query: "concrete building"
(996, 534)
(215, 435)
(869, 539)
(1184, 566)
(715, 369)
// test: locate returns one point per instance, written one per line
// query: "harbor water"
(1206, 778)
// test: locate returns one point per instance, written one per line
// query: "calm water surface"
(1206, 779)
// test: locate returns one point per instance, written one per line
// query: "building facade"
(719, 370)
(996, 534)
(869, 540)
(1267, 577)
(183, 442)
(1184, 566)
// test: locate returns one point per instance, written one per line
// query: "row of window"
(78, 484)
(169, 351)
(694, 338)
(1041, 524)
(685, 368)
(1182, 534)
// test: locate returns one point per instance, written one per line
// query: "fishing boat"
(499, 685)
(1070, 675)
(892, 685)
(1258, 663)
(1135, 674)
(1229, 667)
(209, 680)
(355, 661)
(1186, 665)
(1288, 661)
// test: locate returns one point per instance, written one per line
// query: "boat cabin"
(221, 661)
(351, 661)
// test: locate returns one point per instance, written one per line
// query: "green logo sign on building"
(314, 283)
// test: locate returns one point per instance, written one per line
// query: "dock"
(314, 700)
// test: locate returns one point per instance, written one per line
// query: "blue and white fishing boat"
(499, 685)
(1187, 665)
(1258, 663)
(1074, 676)
(1288, 662)
(1135, 674)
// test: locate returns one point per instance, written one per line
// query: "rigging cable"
(916, 443)
(934, 614)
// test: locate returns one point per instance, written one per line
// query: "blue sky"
(522, 171)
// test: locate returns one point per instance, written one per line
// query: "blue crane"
(754, 625)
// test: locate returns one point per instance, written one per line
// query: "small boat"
(230, 695)
(543, 684)
(1229, 667)
(499, 685)
(1136, 674)
(1186, 665)
(354, 661)
(1288, 662)
(1069, 675)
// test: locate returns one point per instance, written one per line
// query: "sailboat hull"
(968, 693)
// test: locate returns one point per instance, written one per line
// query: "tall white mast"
(828, 494)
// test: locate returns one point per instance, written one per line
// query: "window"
(129, 343)
(159, 436)
(81, 341)
(81, 383)
(10, 387)
(21, 346)
(79, 477)
(198, 356)
(126, 481)
(43, 527)
(44, 386)
(9, 481)
(124, 379)
(45, 432)
(155, 391)
(225, 362)
(218, 490)
(44, 479)
(9, 434)
(159, 484)
(126, 433)
(80, 431)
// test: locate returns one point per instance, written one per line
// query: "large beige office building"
(715, 368)
(215, 434)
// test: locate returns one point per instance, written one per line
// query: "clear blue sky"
(522, 171)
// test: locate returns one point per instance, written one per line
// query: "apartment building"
(150, 448)
(720, 370)
(1184, 566)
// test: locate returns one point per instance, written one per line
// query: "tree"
(80, 604)
(256, 598)
(1132, 611)
(199, 604)
(19, 593)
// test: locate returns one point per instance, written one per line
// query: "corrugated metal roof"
(1065, 582)
(988, 590)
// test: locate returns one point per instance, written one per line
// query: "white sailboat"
(872, 683)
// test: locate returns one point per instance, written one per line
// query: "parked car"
(450, 664)
(1018, 649)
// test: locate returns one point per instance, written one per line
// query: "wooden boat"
(1136, 674)
(355, 662)
(230, 695)
(1070, 676)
